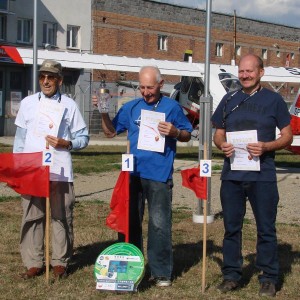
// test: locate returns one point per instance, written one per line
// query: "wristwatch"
(70, 147)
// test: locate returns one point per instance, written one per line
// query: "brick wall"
(131, 28)
(125, 27)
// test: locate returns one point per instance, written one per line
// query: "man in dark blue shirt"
(259, 109)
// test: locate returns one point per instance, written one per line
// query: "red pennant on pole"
(25, 173)
(192, 180)
(118, 218)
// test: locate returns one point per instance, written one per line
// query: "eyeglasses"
(42, 77)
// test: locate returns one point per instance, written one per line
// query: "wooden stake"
(47, 229)
(127, 213)
(204, 233)
(204, 245)
(47, 238)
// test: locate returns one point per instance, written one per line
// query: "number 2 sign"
(48, 157)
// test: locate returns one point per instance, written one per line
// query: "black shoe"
(227, 286)
(267, 289)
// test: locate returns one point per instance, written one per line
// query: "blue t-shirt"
(264, 111)
(148, 164)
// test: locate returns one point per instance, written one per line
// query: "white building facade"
(63, 25)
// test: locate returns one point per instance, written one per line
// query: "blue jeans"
(263, 197)
(159, 199)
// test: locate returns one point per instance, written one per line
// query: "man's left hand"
(256, 149)
(57, 142)
(167, 129)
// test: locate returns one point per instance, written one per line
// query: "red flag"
(25, 173)
(191, 179)
(119, 205)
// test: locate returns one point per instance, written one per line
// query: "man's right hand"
(227, 149)
(95, 100)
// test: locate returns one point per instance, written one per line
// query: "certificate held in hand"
(241, 159)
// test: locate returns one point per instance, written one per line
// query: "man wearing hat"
(66, 131)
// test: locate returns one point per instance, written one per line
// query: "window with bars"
(162, 42)
(238, 50)
(264, 53)
(219, 49)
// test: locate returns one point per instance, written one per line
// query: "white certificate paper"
(49, 117)
(241, 160)
(149, 136)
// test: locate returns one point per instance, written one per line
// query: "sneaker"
(267, 289)
(228, 285)
(162, 281)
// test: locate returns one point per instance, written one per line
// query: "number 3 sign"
(205, 168)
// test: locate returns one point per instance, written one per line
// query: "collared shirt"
(72, 128)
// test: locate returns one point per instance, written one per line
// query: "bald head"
(152, 71)
(251, 69)
(150, 83)
(259, 62)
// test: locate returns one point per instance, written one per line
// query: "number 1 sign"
(127, 162)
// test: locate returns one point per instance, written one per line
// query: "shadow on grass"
(188, 255)
(185, 256)
(87, 255)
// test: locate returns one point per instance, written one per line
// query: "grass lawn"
(92, 237)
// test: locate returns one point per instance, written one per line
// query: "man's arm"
(168, 129)
(19, 141)
(79, 140)
(107, 126)
(285, 139)
(183, 136)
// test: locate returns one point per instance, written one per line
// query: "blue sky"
(285, 12)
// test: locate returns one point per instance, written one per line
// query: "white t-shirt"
(71, 122)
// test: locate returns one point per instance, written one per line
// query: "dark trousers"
(263, 198)
(159, 199)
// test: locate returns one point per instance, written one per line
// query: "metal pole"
(234, 36)
(34, 63)
(205, 130)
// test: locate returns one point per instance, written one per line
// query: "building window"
(292, 90)
(4, 5)
(264, 53)
(238, 50)
(49, 33)
(162, 42)
(3, 21)
(73, 36)
(292, 55)
(278, 53)
(219, 49)
(24, 34)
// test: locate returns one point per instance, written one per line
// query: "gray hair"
(155, 69)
